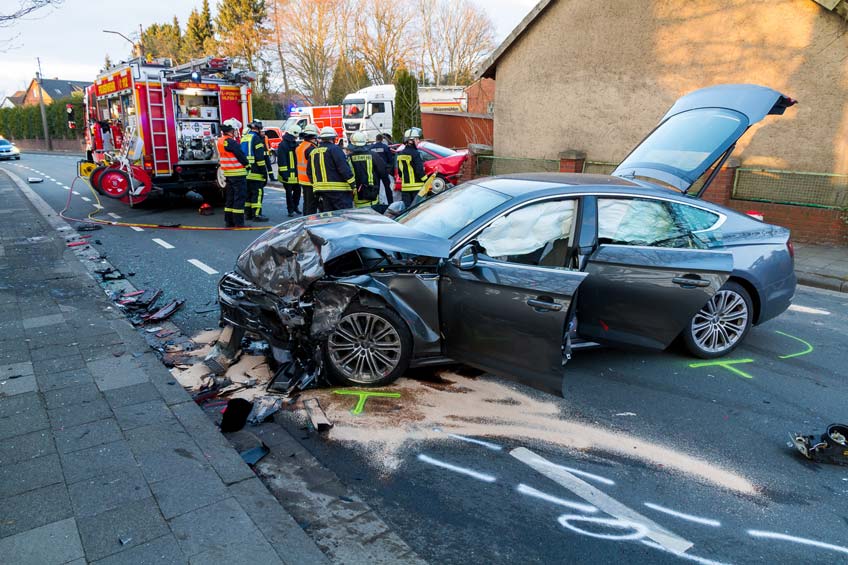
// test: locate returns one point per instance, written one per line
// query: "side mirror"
(466, 259)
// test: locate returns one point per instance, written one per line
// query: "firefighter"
(329, 171)
(410, 167)
(367, 170)
(287, 168)
(233, 162)
(383, 152)
(309, 135)
(253, 145)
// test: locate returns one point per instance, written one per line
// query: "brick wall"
(69, 145)
(808, 225)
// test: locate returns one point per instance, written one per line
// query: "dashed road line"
(76, 193)
(113, 215)
(85, 199)
(136, 228)
(203, 266)
(163, 243)
(683, 516)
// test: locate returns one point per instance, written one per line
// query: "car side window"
(425, 156)
(539, 234)
(653, 223)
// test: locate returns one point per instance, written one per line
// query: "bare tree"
(24, 8)
(388, 41)
(312, 47)
(432, 48)
(467, 34)
(279, 22)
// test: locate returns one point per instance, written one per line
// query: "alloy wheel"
(721, 323)
(364, 347)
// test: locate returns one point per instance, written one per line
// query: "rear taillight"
(790, 247)
(755, 214)
(147, 163)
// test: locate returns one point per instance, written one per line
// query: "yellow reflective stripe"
(234, 210)
(331, 186)
(235, 172)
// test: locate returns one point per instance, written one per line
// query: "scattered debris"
(316, 415)
(235, 414)
(34, 180)
(252, 456)
(77, 243)
(165, 312)
(125, 540)
(205, 310)
(830, 447)
(89, 227)
(263, 408)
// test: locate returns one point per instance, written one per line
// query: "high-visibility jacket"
(231, 159)
(367, 169)
(328, 168)
(253, 146)
(287, 160)
(301, 158)
(411, 169)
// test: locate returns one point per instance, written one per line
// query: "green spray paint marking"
(808, 350)
(363, 397)
(726, 364)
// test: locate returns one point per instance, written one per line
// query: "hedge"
(24, 122)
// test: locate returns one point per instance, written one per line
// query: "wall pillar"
(572, 161)
(471, 166)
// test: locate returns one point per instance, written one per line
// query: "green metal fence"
(821, 190)
(490, 165)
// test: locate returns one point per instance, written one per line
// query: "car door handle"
(686, 281)
(539, 304)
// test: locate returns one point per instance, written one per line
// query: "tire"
(440, 184)
(94, 178)
(220, 179)
(18, 158)
(358, 323)
(114, 183)
(709, 337)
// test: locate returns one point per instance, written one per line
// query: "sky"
(70, 42)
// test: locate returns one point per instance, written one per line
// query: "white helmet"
(233, 123)
(293, 129)
(412, 133)
(310, 130)
(327, 132)
(358, 139)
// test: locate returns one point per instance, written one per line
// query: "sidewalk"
(821, 266)
(103, 456)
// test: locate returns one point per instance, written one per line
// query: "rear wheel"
(94, 178)
(440, 183)
(114, 183)
(722, 323)
(370, 347)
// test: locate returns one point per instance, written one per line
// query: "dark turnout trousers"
(255, 195)
(331, 200)
(235, 196)
(292, 196)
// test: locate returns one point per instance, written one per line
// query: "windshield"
(290, 122)
(446, 214)
(438, 149)
(271, 134)
(684, 146)
(353, 108)
(4, 142)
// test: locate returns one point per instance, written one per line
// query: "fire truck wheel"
(221, 179)
(114, 183)
(94, 178)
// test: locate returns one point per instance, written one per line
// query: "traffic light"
(69, 108)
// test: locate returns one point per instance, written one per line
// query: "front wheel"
(370, 347)
(722, 323)
(440, 184)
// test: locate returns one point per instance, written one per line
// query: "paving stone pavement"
(104, 458)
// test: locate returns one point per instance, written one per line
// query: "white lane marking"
(808, 310)
(639, 529)
(98, 206)
(136, 228)
(686, 556)
(682, 516)
(163, 243)
(76, 193)
(530, 491)
(794, 539)
(67, 187)
(486, 444)
(85, 199)
(113, 215)
(600, 499)
(461, 470)
(203, 266)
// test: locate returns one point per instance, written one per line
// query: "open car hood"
(288, 258)
(698, 129)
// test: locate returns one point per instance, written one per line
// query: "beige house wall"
(598, 76)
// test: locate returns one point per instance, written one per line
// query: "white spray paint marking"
(163, 243)
(85, 199)
(686, 556)
(203, 266)
(113, 215)
(682, 516)
(584, 474)
(626, 414)
(530, 491)
(136, 228)
(461, 470)
(808, 310)
(794, 539)
(486, 444)
(638, 532)
(601, 500)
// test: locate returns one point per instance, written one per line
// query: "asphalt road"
(649, 454)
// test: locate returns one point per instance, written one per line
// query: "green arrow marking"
(806, 351)
(364, 395)
(725, 364)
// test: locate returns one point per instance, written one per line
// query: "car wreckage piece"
(294, 283)
(830, 447)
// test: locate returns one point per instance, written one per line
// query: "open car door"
(507, 318)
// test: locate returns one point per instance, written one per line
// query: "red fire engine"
(153, 126)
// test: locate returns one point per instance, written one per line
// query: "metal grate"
(490, 165)
(824, 190)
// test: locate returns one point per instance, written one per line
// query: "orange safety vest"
(228, 162)
(300, 153)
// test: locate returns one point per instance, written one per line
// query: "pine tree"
(163, 40)
(347, 77)
(407, 112)
(198, 34)
(241, 31)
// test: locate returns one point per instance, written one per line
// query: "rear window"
(271, 134)
(438, 149)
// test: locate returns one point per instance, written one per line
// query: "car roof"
(525, 184)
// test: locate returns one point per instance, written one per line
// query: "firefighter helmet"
(310, 131)
(293, 129)
(358, 139)
(412, 133)
(255, 124)
(327, 132)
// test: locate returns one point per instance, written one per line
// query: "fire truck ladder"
(159, 138)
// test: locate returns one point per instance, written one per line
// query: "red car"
(445, 163)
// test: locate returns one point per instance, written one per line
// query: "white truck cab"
(369, 110)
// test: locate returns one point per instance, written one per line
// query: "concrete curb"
(822, 281)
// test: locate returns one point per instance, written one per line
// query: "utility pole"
(43, 109)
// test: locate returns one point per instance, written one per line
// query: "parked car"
(273, 137)
(512, 273)
(9, 150)
(442, 161)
